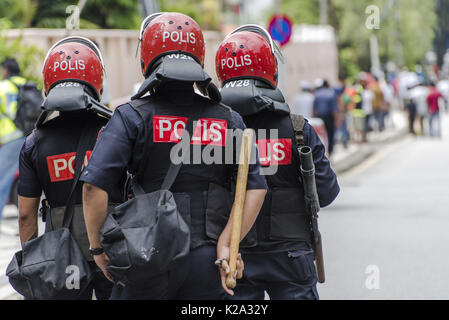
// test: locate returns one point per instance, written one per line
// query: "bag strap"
(14, 83)
(174, 169)
(298, 123)
(83, 146)
(135, 104)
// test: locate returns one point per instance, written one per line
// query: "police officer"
(172, 58)
(73, 78)
(278, 254)
(11, 137)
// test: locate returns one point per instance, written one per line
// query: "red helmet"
(163, 33)
(247, 52)
(74, 59)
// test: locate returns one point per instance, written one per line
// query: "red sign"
(61, 166)
(210, 131)
(274, 152)
(169, 129)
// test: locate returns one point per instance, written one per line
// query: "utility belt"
(53, 218)
(179, 187)
(283, 217)
(205, 210)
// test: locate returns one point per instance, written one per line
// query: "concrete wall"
(311, 54)
(118, 48)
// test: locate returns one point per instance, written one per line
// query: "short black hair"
(11, 65)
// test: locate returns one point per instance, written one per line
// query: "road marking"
(375, 158)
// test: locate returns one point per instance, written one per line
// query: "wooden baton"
(239, 202)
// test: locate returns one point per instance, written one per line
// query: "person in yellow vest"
(11, 138)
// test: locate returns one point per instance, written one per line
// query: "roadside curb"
(362, 153)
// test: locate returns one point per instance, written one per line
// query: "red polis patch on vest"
(61, 166)
(169, 129)
(274, 152)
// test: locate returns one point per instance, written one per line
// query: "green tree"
(301, 11)
(113, 14)
(107, 14)
(205, 12)
(409, 22)
(18, 12)
(28, 57)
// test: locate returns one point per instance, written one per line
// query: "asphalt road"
(387, 234)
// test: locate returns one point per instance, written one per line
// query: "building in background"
(311, 54)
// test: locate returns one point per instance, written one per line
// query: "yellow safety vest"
(8, 109)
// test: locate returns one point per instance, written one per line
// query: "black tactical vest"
(56, 143)
(207, 185)
(283, 217)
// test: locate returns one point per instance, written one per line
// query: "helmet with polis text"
(74, 59)
(73, 73)
(166, 33)
(248, 52)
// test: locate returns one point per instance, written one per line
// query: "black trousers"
(99, 285)
(411, 117)
(195, 278)
(289, 275)
(329, 123)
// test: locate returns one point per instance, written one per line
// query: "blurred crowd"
(351, 110)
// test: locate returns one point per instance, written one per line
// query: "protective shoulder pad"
(136, 103)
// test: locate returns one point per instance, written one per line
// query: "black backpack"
(29, 101)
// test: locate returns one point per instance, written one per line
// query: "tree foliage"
(107, 14)
(18, 12)
(28, 57)
(413, 28)
(205, 12)
(409, 22)
(302, 11)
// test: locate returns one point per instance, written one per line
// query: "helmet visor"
(143, 26)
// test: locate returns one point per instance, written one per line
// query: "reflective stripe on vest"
(8, 109)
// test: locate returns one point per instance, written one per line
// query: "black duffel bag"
(147, 235)
(52, 266)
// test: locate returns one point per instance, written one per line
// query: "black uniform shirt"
(34, 179)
